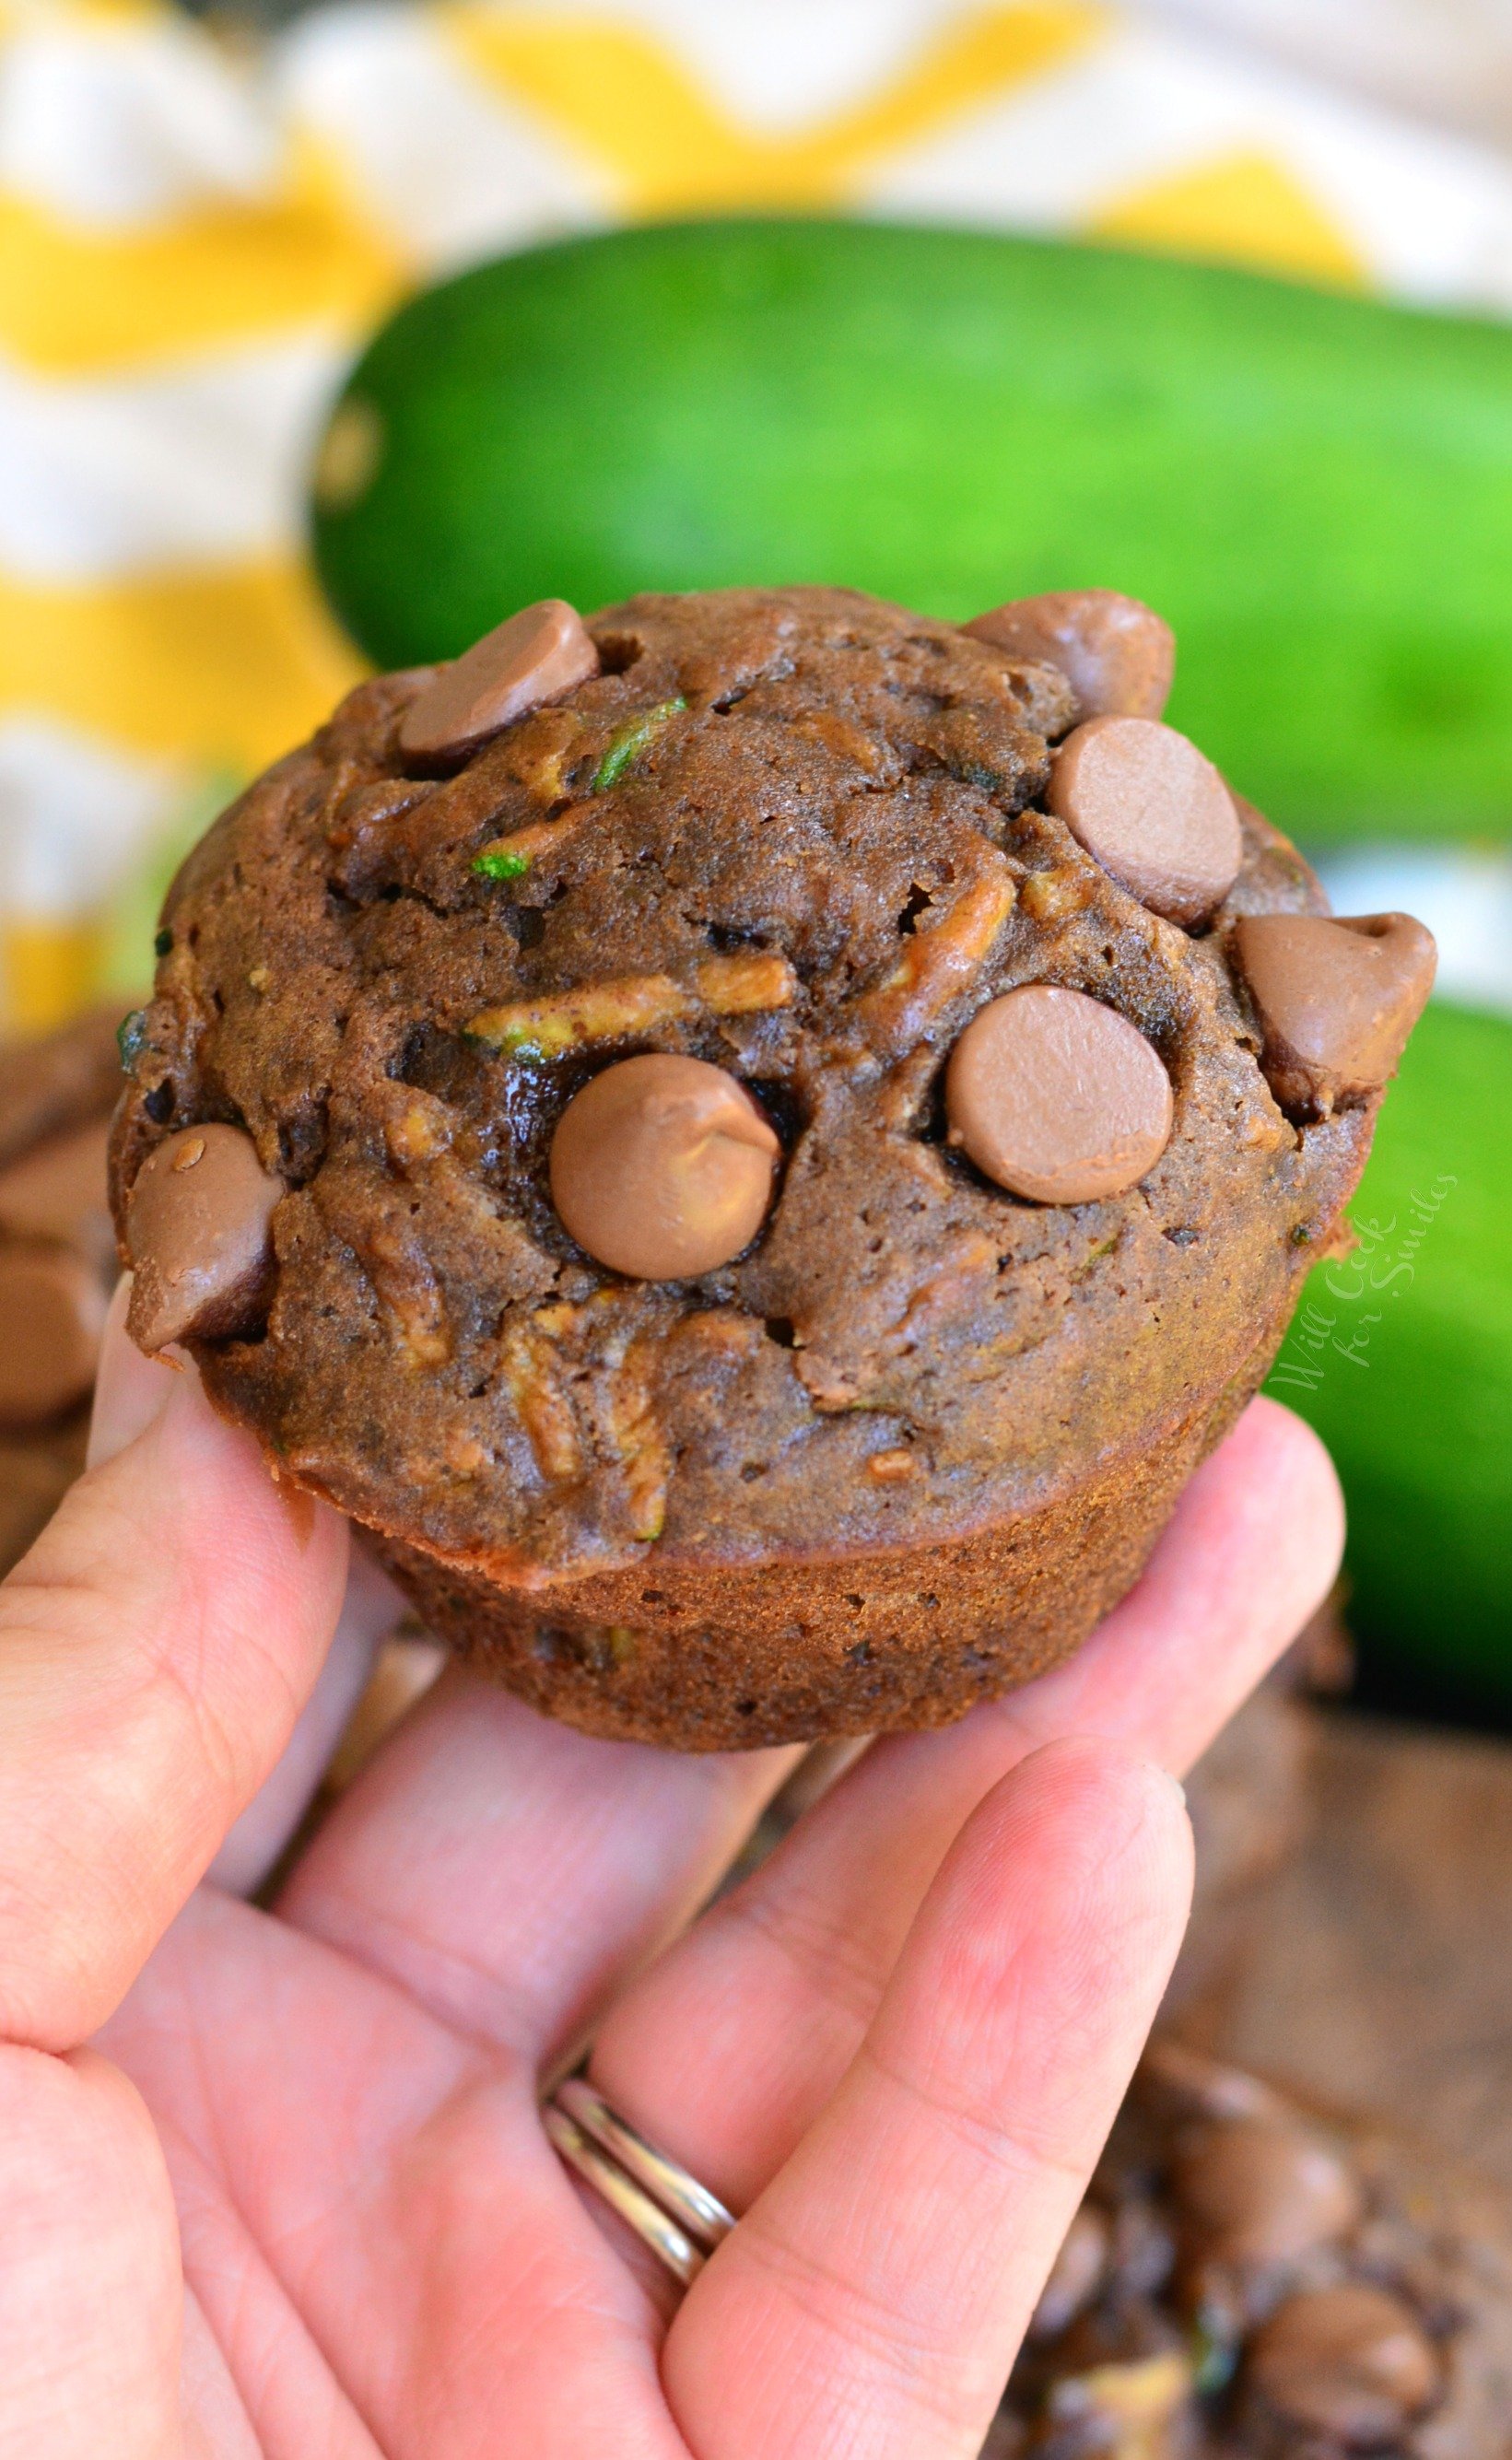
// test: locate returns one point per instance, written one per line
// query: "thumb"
(156, 1647)
(130, 1389)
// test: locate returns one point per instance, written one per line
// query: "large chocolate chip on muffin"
(756, 1198)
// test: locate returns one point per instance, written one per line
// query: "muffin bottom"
(713, 1656)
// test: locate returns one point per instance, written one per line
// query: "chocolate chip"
(1073, 2276)
(1351, 2362)
(1337, 1000)
(58, 1193)
(1259, 2191)
(1186, 2083)
(662, 1167)
(1152, 810)
(537, 655)
(1058, 1098)
(1116, 653)
(52, 1083)
(51, 1314)
(198, 1233)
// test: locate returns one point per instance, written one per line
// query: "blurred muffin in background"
(57, 1261)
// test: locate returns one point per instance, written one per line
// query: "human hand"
(276, 2183)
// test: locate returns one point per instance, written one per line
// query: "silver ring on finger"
(666, 2206)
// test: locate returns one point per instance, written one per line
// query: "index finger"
(725, 2048)
(872, 2300)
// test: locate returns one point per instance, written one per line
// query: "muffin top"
(804, 839)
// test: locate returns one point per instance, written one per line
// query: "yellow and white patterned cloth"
(194, 239)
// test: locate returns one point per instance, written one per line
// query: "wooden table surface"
(1376, 1970)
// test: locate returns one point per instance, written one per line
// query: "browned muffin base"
(736, 1657)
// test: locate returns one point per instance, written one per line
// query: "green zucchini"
(1314, 488)
(1400, 1355)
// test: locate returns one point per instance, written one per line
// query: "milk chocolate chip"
(1351, 2362)
(537, 655)
(198, 1233)
(1337, 1000)
(1058, 1098)
(1259, 2191)
(58, 1193)
(1152, 810)
(56, 1082)
(662, 1167)
(52, 1315)
(1118, 655)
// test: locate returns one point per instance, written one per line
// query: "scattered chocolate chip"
(1116, 653)
(1261, 2191)
(1349, 2361)
(50, 1083)
(1073, 2276)
(1187, 2084)
(662, 1167)
(1056, 1097)
(51, 1314)
(1154, 813)
(533, 657)
(58, 1193)
(1337, 1000)
(198, 1233)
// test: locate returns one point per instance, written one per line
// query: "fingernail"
(129, 1390)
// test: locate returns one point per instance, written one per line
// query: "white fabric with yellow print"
(194, 238)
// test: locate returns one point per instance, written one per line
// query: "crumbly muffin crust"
(815, 821)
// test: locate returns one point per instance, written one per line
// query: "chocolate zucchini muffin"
(57, 1261)
(754, 1142)
(1246, 2280)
